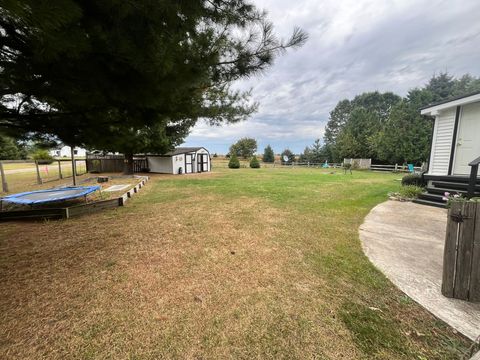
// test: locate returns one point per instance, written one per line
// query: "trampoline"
(50, 195)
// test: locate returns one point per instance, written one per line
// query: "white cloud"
(354, 46)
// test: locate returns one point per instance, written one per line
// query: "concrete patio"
(405, 241)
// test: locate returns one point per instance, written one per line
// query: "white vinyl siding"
(160, 164)
(442, 142)
(178, 162)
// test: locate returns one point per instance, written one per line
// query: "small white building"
(455, 150)
(65, 151)
(456, 135)
(182, 160)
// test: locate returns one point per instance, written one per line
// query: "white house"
(455, 147)
(182, 160)
(65, 151)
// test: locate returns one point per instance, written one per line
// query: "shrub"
(42, 156)
(407, 192)
(410, 191)
(215, 155)
(413, 179)
(254, 164)
(234, 163)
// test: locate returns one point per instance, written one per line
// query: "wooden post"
(474, 291)
(461, 265)
(464, 251)
(472, 180)
(39, 178)
(4, 178)
(450, 251)
(74, 166)
(60, 176)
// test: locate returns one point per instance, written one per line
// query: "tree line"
(385, 127)
(247, 147)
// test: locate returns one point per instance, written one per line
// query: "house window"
(75, 152)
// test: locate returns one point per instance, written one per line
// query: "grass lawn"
(241, 263)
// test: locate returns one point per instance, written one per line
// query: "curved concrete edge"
(405, 242)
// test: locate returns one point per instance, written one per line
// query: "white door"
(468, 139)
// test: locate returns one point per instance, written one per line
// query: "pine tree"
(268, 155)
(254, 164)
(234, 163)
(9, 150)
(129, 76)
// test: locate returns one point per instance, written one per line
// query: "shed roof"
(433, 109)
(183, 150)
(179, 150)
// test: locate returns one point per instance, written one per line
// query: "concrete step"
(453, 185)
(430, 203)
(442, 191)
(432, 197)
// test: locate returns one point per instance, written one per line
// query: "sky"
(354, 46)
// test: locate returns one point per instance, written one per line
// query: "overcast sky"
(354, 46)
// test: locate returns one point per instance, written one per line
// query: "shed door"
(468, 139)
(202, 162)
(188, 164)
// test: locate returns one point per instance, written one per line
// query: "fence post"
(4, 179)
(474, 291)
(60, 175)
(39, 178)
(462, 252)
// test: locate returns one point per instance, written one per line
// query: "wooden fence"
(113, 163)
(394, 168)
(105, 163)
(461, 260)
(358, 163)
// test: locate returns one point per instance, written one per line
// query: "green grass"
(247, 263)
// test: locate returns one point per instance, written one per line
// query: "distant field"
(241, 264)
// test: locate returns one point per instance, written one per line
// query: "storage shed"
(455, 149)
(456, 135)
(182, 160)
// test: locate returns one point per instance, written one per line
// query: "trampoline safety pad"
(50, 195)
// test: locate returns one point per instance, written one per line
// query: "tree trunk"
(128, 164)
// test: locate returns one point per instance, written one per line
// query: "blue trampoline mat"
(50, 195)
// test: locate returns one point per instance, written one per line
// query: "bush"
(234, 163)
(413, 179)
(42, 156)
(410, 191)
(254, 164)
(407, 192)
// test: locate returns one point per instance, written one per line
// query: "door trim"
(454, 141)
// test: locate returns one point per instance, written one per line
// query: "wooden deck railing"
(473, 177)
